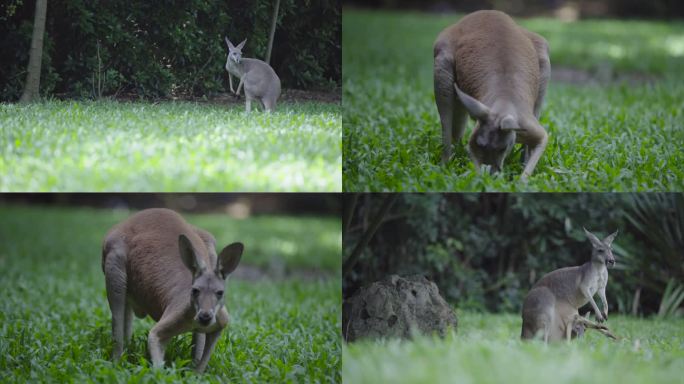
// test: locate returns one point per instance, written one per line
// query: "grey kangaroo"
(157, 264)
(496, 71)
(260, 80)
(550, 308)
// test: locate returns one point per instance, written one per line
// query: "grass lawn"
(171, 146)
(487, 349)
(620, 136)
(55, 324)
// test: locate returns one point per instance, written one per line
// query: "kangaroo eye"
(219, 293)
(195, 291)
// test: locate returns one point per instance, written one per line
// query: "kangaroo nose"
(204, 317)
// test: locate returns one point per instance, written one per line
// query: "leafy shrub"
(485, 251)
(156, 49)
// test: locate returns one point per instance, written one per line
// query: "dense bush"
(486, 250)
(162, 48)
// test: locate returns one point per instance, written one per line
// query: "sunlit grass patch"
(111, 146)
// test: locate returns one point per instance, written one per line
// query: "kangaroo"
(497, 72)
(550, 308)
(260, 80)
(157, 264)
(579, 324)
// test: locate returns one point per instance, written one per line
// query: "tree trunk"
(32, 87)
(387, 202)
(272, 34)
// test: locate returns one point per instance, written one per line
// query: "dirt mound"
(397, 307)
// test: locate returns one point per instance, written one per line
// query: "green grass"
(297, 242)
(55, 321)
(487, 349)
(616, 137)
(171, 146)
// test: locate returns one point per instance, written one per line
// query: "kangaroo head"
(234, 53)
(493, 136)
(208, 283)
(601, 249)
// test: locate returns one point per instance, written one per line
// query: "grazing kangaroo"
(496, 71)
(550, 308)
(260, 80)
(157, 264)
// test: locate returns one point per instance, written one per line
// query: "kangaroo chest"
(234, 69)
(595, 280)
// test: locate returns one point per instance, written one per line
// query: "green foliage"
(169, 147)
(485, 251)
(55, 321)
(658, 220)
(616, 137)
(307, 46)
(268, 239)
(156, 49)
(672, 299)
(487, 349)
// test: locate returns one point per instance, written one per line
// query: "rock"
(396, 307)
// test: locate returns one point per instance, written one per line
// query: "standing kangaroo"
(157, 264)
(550, 308)
(496, 71)
(260, 80)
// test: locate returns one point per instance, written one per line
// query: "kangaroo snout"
(610, 263)
(205, 317)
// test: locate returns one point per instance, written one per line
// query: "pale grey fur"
(550, 308)
(260, 80)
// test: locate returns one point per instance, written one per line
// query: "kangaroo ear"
(242, 44)
(509, 123)
(476, 109)
(229, 259)
(228, 43)
(609, 240)
(594, 240)
(189, 256)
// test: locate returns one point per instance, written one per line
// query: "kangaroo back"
(564, 284)
(496, 58)
(538, 313)
(261, 81)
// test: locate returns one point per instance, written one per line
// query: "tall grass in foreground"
(487, 349)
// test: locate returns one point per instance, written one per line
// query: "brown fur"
(156, 274)
(496, 59)
(504, 69)
(157, 264)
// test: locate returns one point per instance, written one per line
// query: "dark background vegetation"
(166, 48)
(240, 204)
(485, 251)
(584, 8)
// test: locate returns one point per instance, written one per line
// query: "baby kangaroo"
(579, 324)
(550, 308)
(260, 80)
(157, 264)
